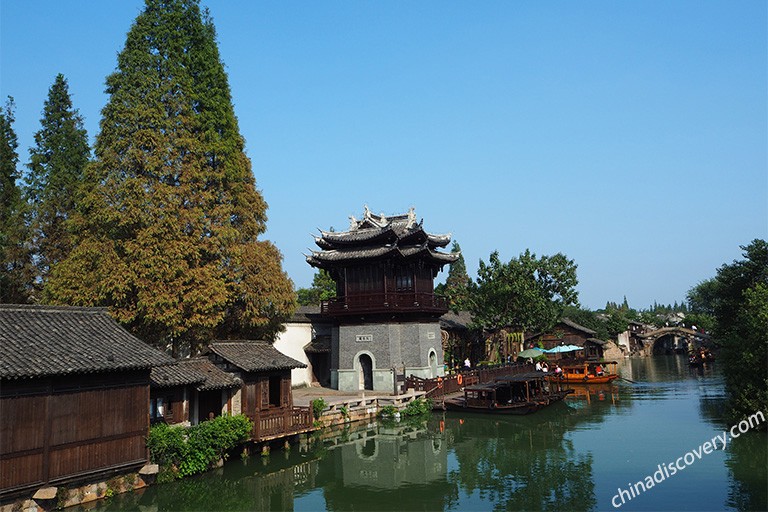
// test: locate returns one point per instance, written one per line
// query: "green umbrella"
(531, 352)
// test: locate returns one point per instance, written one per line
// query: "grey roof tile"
(39, 341)
(254, 356)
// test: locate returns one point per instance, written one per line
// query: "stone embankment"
(51, 498)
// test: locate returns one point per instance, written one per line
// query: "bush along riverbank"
(184, 451)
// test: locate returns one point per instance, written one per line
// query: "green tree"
(168, 222)
(56, 166)
(458, 282)
(323, 288)
(15, 278)
(740, 308)
(528, 293)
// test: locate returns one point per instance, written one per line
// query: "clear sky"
(630, 136)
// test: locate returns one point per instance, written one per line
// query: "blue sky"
(630, 136)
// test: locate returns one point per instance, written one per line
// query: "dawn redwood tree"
(169, 218)
(525, 294)
(56, 166)
(15, 277)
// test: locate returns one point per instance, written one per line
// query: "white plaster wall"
(291, 342)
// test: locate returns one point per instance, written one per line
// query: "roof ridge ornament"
(411, 218)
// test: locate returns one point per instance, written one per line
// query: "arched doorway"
(433, 363)
(366, 371)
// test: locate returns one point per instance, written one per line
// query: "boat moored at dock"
(514, 394)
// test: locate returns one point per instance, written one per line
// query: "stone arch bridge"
(674, 340)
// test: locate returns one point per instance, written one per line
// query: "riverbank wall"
(63, 496)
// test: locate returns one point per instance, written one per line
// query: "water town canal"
(576, 455)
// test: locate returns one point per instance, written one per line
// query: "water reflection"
(570, 456)
(389, 467)
(522, 462)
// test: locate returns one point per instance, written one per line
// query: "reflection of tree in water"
(522, 463)
(255, 484)
(747, 460)
(746, 456)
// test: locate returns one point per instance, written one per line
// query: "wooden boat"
(514, 394)
(585, 372)
(701, 357)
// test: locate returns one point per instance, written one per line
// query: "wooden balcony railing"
(385, 303)
(275, 423)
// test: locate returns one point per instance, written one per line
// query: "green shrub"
(387, 411)
(418, 407)
(318, 406)
(195, 449)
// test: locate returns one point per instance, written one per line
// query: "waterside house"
(190, 391)
(264, 395)
(568, 332)
(307, 339)
(74, 395)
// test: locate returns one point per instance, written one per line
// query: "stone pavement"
(302, 397)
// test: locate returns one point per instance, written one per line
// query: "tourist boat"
(701, 357)
(585, 372)
(513, 394)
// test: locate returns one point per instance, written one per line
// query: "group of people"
(542, 366)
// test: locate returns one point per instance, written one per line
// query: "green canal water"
(576, 455)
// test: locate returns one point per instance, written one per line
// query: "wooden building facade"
(74, 395)
(191, 391)
(383, 265)
(265, 395)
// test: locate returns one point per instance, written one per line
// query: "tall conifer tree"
(56, 166)
(167, 235)
(15, 278)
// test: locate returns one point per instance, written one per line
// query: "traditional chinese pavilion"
(385, 306)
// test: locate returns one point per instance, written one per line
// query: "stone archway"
(365, 368)
(432, 363)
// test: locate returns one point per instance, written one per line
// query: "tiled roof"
(305, 314)
(379, 236)
(254, 356)
(320, 345)
(574, 325)
(38, 341)
(456, 321)
(213, 376)
(175, 375)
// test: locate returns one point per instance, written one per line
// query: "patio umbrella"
(531, 352)
(563, 348)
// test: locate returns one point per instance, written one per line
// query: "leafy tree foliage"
(739, 301)
(167, 224)
(323, 288)
(528, 293)
(15, 278)
(57, 163)
(458, 283)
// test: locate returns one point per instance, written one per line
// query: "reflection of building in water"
(389, 459)
(277, 490)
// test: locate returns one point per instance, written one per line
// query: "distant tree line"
(162, 223)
